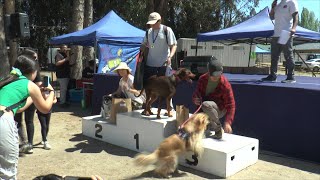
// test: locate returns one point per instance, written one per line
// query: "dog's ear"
(201, 120)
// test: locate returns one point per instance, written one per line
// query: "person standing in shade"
(286, 18)
(63, 73)
(214, 94)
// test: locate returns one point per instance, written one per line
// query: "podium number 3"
(136, 137)
(194, 162)
(99, 129)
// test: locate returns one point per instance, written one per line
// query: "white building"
(232, 56)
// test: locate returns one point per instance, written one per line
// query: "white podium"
(144, 133)
(224, 157)
(132, 131)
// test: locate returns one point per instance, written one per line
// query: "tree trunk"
(159, 6)
(88, 18)
(77, 24)
(4, 61)
(10, 9)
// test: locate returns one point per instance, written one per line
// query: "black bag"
(138, 75)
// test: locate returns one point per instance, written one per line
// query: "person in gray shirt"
(162, 45)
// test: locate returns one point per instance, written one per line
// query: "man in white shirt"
(286, 18)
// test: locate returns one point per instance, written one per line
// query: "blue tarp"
(261, 51)
(109, 28)
(257, 29)
(111, 54)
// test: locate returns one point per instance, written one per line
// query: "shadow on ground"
(308, 166)
(90, 145)
(74, 108)
(176, 174)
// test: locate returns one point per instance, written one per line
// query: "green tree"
(308, 20)
(236, 11)
(76, 25)
(10, 9)
(47, 19)
(88, 52)
(4, 70)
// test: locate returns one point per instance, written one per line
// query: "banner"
(110, 56)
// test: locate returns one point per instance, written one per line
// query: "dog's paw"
(143, 113)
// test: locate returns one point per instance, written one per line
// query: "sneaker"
(218, 134)
(26, 148)
(42, 142)
(46, 145)
(269, 78)
(289, 80)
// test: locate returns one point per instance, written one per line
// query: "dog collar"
(183, 134)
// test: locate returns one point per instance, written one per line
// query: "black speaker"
(19, 27)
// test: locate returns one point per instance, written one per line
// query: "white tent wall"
(232, 56)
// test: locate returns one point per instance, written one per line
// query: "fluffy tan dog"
(165, 157)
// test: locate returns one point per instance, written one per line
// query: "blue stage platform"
(284, 117)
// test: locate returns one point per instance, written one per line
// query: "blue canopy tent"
(258, 30)
(113, 38)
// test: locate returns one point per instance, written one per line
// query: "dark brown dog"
(163, 87)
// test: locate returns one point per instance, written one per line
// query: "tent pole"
(50, 48)
(95, 55)
(197, 48)
(250, 53)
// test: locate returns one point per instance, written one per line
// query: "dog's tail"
(146, 159)
(141, 92)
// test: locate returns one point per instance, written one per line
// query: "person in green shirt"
(17, 92)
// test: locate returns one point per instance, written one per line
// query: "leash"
(181, 126)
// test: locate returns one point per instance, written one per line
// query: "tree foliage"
(4, 70)
(187, 18)
(309, 21)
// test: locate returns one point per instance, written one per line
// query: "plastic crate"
(75, 95)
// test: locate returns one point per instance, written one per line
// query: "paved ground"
(78, 155)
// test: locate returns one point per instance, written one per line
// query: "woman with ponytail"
(17, 92)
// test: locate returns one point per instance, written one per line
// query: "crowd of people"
(23, 90)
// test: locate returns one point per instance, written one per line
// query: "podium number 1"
(136, 137)
(99, 129)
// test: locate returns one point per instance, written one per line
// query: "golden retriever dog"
(165, 157)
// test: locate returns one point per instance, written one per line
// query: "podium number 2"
(136, 137)
(99, 129)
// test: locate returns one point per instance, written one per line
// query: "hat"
(214, 67)
(153, 18)
(123, 65)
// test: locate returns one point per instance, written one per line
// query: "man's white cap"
(153, 18)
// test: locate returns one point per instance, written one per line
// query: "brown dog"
(165, 157)
(163, 87)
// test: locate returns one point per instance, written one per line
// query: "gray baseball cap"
(215, 67)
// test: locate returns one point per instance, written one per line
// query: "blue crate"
(75, 95)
